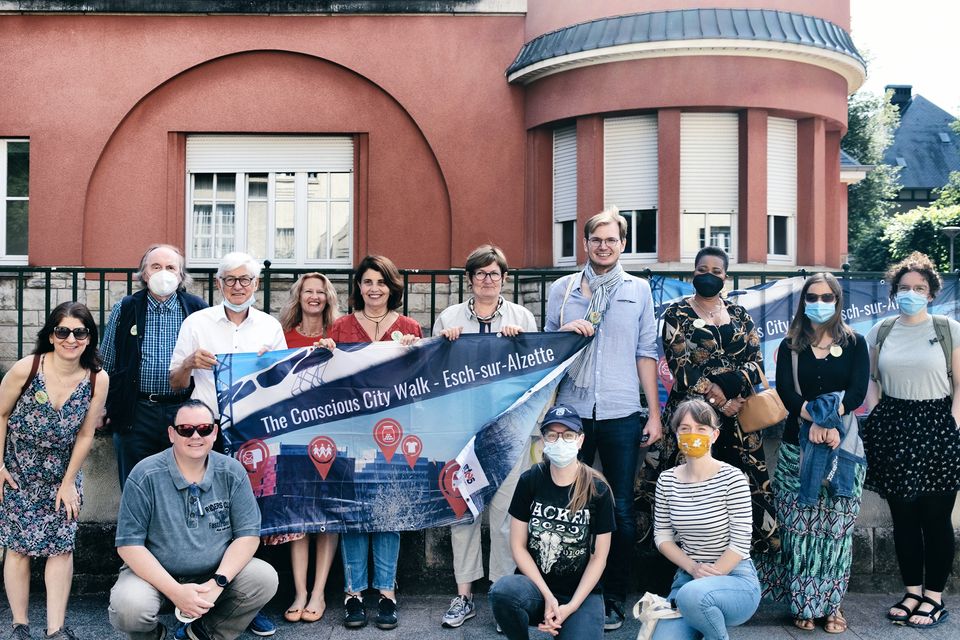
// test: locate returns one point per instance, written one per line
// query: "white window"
(709, 182)
(781, 190)
(565, 196)
(288, 199)
(630, 180)
(14, 200)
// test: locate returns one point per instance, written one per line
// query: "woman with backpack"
(912, 439)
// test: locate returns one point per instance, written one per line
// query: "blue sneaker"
(180, 633)
(262, 626)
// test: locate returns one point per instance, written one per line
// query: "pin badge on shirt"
(133, 330)
(836, 350)
(396, 336)
(699, 323)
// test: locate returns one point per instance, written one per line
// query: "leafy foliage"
(921, 229)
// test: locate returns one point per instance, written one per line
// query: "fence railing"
(36, 290)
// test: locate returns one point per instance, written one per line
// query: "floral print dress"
(697, 354)
(40, 443)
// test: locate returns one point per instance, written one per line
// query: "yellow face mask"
(694, 445)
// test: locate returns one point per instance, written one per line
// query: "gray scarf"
(602, 287)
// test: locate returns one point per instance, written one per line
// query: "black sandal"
(902, 607)
(936, 615)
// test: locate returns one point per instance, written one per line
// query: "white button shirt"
(210, 329)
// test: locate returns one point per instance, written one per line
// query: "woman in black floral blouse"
(713, 351)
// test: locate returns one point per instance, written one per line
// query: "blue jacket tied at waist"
(819, 464)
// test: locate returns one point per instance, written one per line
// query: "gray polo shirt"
(186, 527)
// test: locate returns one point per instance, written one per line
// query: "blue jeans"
(517, 604)
(354, 548)
(618, 443)
(710, 605)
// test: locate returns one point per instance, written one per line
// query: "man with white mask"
(136, 349)
(233, 326)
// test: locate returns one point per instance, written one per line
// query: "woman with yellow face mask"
(703, 524)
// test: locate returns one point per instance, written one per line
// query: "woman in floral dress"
(50, 403)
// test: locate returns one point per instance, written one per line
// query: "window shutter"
(260, 154)
(781, 167)
(630, 162)
(565, 174)
(709, 162)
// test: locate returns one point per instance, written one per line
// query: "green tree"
(871, 122)
(949, 194)
(920, 229)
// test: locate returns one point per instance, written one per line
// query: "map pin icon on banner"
(451, 493)
(322, 451)
(411, 447)
(387, 434)
(253, 455)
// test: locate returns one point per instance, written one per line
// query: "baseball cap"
(565, 415)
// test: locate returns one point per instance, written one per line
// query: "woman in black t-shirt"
(561, 521)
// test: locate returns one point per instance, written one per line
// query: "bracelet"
(724, 406)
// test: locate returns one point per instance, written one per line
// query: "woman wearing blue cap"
(561, 521)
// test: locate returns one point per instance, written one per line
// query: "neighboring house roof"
(852, 170)
(761, 25)
(924, 146)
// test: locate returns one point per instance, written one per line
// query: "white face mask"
(243, 306)
(561, 453)
(163, 283)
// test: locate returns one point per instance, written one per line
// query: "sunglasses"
(80, 333)
(826, 297)
(187, 430)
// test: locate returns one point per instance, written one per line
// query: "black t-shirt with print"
(559, 541)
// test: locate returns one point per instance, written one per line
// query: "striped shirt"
(705, 518)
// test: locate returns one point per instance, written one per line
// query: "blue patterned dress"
(39, 445)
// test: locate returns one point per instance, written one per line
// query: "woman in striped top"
(703, 521)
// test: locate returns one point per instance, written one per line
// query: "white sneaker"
(461, 609)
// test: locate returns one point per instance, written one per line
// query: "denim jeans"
(710, 605)
(617, 441)
(354, 548)
(517, 604)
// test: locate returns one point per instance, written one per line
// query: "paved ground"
(420, 617)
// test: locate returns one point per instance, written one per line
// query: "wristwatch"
(221, 580)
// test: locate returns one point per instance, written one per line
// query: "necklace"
(376, 320)
(700, 322)
(309, 335)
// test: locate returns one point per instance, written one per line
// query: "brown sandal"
(835, 623)
(806, 624)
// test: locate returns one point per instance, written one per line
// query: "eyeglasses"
(187, 430)
(826, 297)
(922, 289)
(80, 333)
(553, 436)
(243, 281)
(194, 490)
(492, 276)
(596, 243)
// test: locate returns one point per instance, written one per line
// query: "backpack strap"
(33, 373)
(885, 328)
(93, 381)
(941, 325)
(572, 283)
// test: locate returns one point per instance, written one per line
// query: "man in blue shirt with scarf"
(603, 385)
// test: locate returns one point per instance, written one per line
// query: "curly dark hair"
(919, 263)
(89, 359)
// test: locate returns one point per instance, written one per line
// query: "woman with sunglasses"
(50, 403)
(306, 317)
(812, 568)
(912, 439)
(486, 312)
(377, 294)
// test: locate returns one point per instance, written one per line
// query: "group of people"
(562, 535)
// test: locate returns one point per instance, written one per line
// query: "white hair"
(237, 259)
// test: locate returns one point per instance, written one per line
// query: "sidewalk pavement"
(420, 619)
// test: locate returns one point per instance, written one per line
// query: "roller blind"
(565, 173)
(781, 167)
(630, 162)
(254, 154)
(709, 162)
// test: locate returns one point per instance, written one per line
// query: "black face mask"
(707, 284)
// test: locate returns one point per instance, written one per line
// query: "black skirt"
(913, 448)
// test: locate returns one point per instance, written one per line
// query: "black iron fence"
(100, 288)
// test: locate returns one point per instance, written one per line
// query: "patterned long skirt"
(812, 567)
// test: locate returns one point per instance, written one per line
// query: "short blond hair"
(610, 215)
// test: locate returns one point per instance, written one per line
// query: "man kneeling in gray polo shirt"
(187, 531)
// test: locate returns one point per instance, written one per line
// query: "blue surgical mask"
(820, 312)
(911, 302)
(243, 306)
(561, 453)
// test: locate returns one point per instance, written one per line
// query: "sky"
(916, 42)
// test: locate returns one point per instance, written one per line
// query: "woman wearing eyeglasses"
(50, 403)
(812, 568)
(713, 351)
(912, 438)
(560, 529)
(486, 312)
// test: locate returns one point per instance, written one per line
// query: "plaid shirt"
(156, 345)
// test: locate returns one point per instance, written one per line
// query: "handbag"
(761, 410)
(649, 610)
